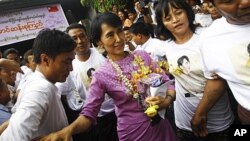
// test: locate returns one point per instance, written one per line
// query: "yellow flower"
(163, 65)
(248, 63)
(151, 110)
(178, 71)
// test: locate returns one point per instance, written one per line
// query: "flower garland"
(142, 72)
(128, 84)
(131, 85)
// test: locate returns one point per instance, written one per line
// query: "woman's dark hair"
(248, 48)
(89, 72)
(124, 13)
(108, 18)
(52, 42)
(181, 59)
(163, 7)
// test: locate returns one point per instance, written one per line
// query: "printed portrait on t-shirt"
(184, 64)
(187, 70)
(90, 73)
(248, 61)
(239, 55)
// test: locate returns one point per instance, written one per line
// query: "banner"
(25, 24)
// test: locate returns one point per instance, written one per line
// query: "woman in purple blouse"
(113, 78)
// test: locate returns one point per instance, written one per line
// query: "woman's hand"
(162, 102)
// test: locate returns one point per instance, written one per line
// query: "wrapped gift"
(152, 85)
(144, 84)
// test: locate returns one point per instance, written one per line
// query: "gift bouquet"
(145, 81)
(148, 82)
(152, 85)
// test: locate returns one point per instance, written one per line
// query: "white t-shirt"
(152, 46)
(74, 90)
(26, 70)
(39, 111)
(226, 51)
(186, 66)
(204, 20)
(94, 62)
(82, 67)
(19, 76)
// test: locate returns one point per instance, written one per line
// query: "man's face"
(13, 56)
(136, 38)
(80, 37)
(127, 35)
(213, 11)
(58, 69)
(31, 62)
(235, 11)
(138, 6)
(8, 76)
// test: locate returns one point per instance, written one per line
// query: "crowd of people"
(164, 71)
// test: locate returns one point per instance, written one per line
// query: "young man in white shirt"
(225, 55)
(141, 35)
(39, 110)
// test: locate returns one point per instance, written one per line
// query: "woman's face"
(113, 40)
(176, 21)
(121, 15)
(185, 66)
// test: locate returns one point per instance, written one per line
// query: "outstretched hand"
(57, 136)
(199, 125)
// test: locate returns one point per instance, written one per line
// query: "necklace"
(130, 88)
(132, 85)
(142, 72)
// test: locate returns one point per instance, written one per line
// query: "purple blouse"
(128, 111)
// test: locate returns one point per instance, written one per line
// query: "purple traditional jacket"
(132, 123)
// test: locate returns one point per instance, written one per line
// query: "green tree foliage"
(102, 5)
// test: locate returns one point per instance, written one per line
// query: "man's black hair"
(52, 42)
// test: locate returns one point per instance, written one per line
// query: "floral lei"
(142, 72)
(131, 85)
